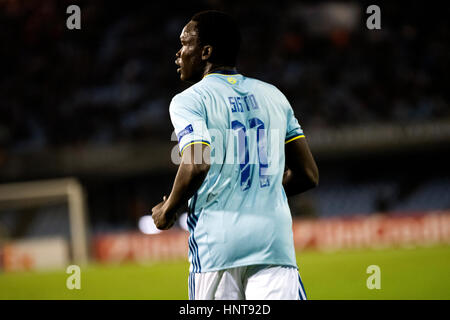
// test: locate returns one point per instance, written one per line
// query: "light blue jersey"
(240, 214)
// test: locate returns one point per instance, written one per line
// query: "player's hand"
(162, 218)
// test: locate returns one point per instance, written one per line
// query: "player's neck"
(215, 68)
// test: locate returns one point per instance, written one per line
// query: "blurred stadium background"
(85, 144)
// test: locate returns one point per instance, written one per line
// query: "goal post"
(19, 195)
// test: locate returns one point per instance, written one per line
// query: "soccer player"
(242, 152)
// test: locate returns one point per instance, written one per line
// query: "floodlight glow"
(147, 225)
(182, 220)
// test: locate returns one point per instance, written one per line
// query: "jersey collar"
(224, 72)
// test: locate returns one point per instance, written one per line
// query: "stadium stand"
(111, 83)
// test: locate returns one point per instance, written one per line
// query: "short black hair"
(219, 30)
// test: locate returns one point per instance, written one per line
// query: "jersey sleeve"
(189, 122)
(293, 129)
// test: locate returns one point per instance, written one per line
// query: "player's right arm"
(190, 127)
(301, 172)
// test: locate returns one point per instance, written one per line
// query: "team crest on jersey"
(231, 80)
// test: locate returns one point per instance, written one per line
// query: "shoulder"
(264, 86)
(189, 98)
(269, 89)
(186, 95)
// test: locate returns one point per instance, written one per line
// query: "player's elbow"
(314, 178)
(307, 175)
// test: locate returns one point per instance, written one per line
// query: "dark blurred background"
(93, 103)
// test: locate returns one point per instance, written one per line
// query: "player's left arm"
(194, 167)
(301, 172)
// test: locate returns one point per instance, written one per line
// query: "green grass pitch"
(420, 273)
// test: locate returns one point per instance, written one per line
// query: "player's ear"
(206, 53)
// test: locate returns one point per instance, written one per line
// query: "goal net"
(42, 224)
